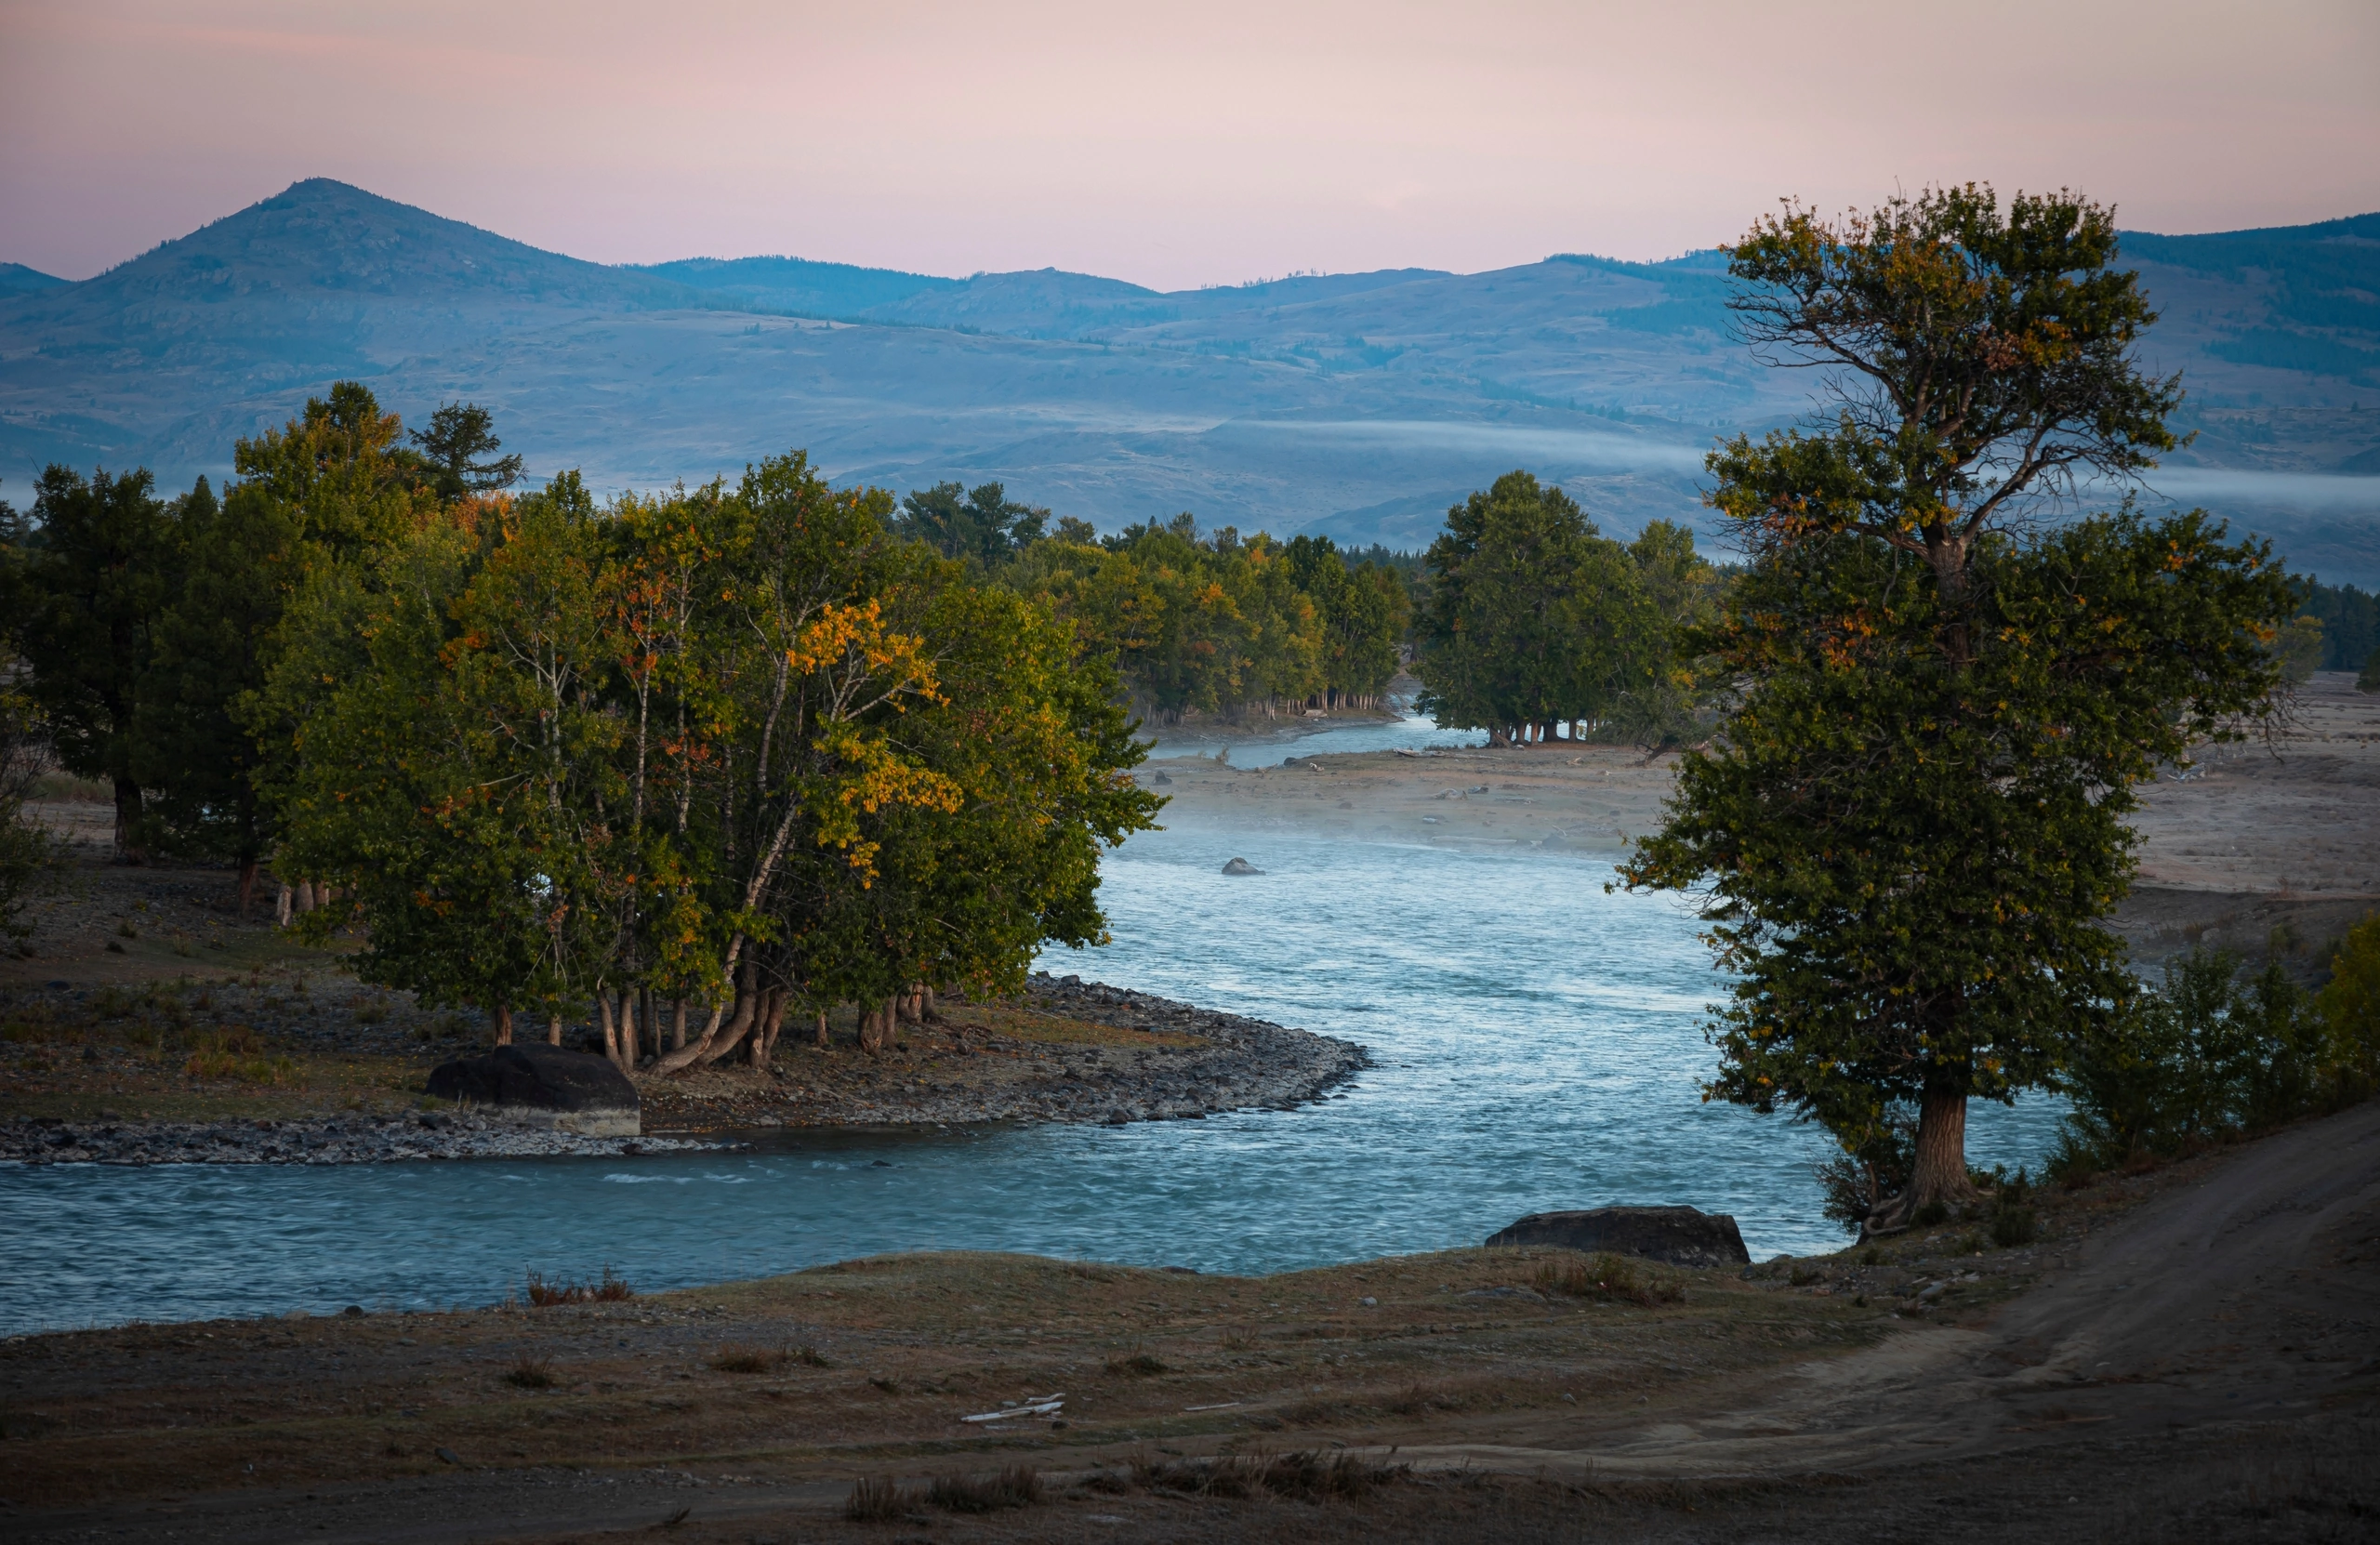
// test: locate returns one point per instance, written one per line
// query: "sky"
(1170, 144)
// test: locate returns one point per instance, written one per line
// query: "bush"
(530, 1372)
(608, 1289)
(2212, 1055)
(1857, 1180)
(2350, 1002)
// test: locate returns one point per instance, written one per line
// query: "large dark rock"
(545, 1086)
(1679, 1235)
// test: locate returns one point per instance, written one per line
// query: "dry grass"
(1607, 1276)
(877, 1500)
(606, 1289)
(531, 1372)
(1017, 1487)
(1305, 1475)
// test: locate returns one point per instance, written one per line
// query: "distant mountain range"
(1358, 404)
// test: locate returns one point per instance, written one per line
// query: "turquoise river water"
(1537, 1043)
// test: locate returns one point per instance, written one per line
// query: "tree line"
(1199, 622)
(685, 765)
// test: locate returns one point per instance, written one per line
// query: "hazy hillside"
(1356, 403)
(15, 278)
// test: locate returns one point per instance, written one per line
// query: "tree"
(982, 524)
(1533, 617)
(1363, 611)
(1911, 829)
(459, 436)
(89, 600)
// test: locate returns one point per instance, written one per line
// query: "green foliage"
(457, 451)
(1213, 624)
(2350, 620)
(85, 613)
(1911, 826)
(1534, 617)
(27, 851)
(982, 524)
(2217, 1053)
(2298, 647)
(2350, 1002)
(735, 745)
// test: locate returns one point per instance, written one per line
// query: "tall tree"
(457, 450)
(90, 598)
(1533, 616)
(982, 524)
(1911, 826)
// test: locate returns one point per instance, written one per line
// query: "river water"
(1538, 1045)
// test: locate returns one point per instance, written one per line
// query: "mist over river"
(1538, 1046)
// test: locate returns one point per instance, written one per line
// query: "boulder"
(539, 1085)
(1241, 866)
(1678, 1235)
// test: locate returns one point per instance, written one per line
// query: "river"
(1537, 1043)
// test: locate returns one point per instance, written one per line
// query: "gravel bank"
(1231, 1063)
(359, 1140)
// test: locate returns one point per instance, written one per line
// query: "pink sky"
(1170, 144)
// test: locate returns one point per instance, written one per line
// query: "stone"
(1676, 1235)
(1241, 866)
(550, 1087)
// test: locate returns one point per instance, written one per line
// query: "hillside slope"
(1356, 403)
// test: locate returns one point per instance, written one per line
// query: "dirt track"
(2251, 1294)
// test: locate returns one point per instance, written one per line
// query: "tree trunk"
(629, 1047)
(604, 1025)
(764, 1035)
(503, 1025)
(305, 897)
(747, 1001)
(247, 886)
(1939, 1173)
(280, 907)
(127, 821)
(678, 1027)
(553, 1031)
(823, 1041)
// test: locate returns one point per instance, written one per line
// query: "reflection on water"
(1538, 1045)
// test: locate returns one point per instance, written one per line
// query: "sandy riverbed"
(2278, 833)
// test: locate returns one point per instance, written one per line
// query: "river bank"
(2102, 1380)
(291, 1067)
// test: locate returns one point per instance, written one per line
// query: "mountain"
(15, 278)
(1359, 404)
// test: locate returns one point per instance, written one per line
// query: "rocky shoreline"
(1196, 1062)
(1234, 1063)
(356, 1140)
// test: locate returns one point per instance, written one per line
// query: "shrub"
(877, 1500)
(2213, 1054)
(1017, 1487)
(530, 1372)
(1134, 1363)
(2350, 1002)
(607, 1289)
(1870, 1168)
